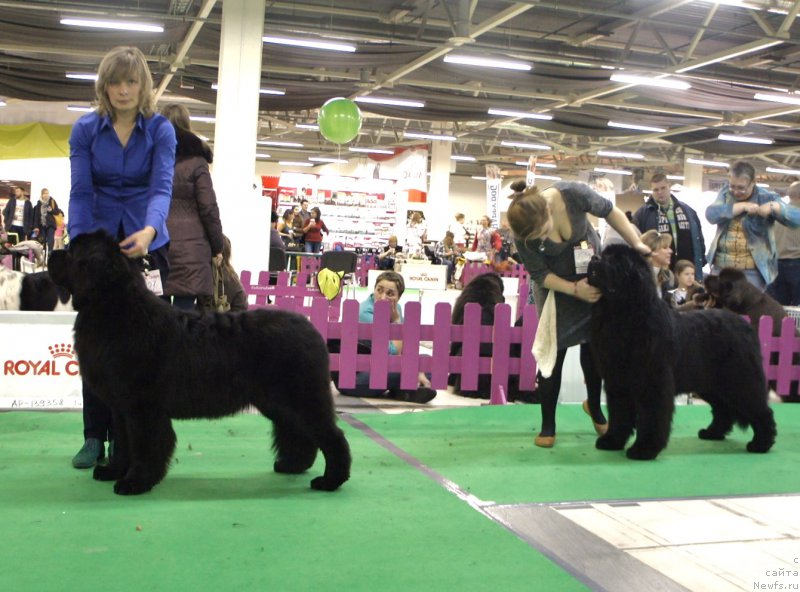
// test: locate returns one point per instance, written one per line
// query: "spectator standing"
(312, 231)
(745, 215)
(44, 221)
(487, 240)
(299, 222)
(122, 159)
(459, 231)
(194, 225)
(18, 214)
(786, 287)
(416, 233)
(663, 212)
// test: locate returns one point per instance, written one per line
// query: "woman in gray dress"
(555, 241)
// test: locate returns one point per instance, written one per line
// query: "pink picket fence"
(339, 320)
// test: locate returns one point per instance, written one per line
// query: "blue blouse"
(115, 187)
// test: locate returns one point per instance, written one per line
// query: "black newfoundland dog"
(647, 353)
(152, 363)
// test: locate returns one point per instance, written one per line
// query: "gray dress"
(543, 256)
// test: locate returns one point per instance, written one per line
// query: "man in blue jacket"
(664, 213)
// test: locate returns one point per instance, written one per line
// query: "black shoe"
(91, 452)
(421, 395)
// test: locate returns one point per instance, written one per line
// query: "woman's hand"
(583, 291)
(217, 259)
(642, 249)
(422, 381)
(137, 244)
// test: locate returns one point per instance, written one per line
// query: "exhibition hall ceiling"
(720, 55)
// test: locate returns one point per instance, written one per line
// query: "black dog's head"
(93, 267)
(485, 289)
(621, 274)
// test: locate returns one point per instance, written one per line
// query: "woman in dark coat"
(194, 226)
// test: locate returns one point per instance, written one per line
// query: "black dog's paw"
(709, 434)
(759, 447)
(107, 473)
(324, 484)
(289, 467)
(131, 487)
(609, 442)
(639, 452)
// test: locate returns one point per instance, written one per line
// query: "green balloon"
(339, 120)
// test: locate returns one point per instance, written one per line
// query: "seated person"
(445, 254)
(386, 258)
(388, 286)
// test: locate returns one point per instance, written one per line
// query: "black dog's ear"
(58, 266)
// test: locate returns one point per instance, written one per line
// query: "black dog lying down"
(152, 363)
(647, 353)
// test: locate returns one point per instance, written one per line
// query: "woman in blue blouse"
(122, 158)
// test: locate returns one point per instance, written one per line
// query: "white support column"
(245, 214)
(692, 177)
(438, 211)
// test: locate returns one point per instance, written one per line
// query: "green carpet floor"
(222, 521)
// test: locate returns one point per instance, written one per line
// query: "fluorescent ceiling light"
(80, 108)
(524, 145)
(309, 43)
(520, 114)
(263, 91)
(787, 99)
(728, 56)
(262, 155)
(385, 101)
(647, 191)
(327, 159)
(295, 163)
(676, 177)
(745, 139)
(203, 118)
(711, 163)
(539, 165)
(424, 136)
(2, 103)
(612, 171)
(372, 150)
(548, 177)
(307, 126)
(463, 157)
(783, 171)
(116, 25)
(646, 81)
(478, 178)
(614, 154)
(81, 75)
(487, 62)
(281, 144)
(635, 126)
(764, 185)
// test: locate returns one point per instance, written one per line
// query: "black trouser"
(97, 420)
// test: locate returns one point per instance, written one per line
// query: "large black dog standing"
(648, 353)
(151, 363)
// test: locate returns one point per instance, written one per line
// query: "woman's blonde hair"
(528, 210)
(178, 116)
(656, 240)
(119, 64)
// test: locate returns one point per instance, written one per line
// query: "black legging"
(549, 389)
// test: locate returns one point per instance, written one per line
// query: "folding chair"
(341, 261)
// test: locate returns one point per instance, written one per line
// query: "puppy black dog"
(486, 290)
(152, 363)
(731, 290)
(647, 353)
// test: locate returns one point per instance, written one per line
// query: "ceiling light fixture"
(203, 118)
(327, 159)
(80, 108)
(2, 103)
(371, 150)
(764, 185)
(614, 154)
(787, 99)
(781, 171)
(295, 163)
(635, 126)
(424, 136)
(385, 101)
(676, 177)
(524, 145)
(463, 157)
(478, 178)
(307, 126)
(646, 81)
(281, 144)
(745, 139)
(710, 163)
(81, 75)
(520, 114)
(724, 56)
(548, 177)
(310, 43)
(263, 91)
(466, 60)
(262, 155)
(539, 165)
(612, 171)
(116, 25)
